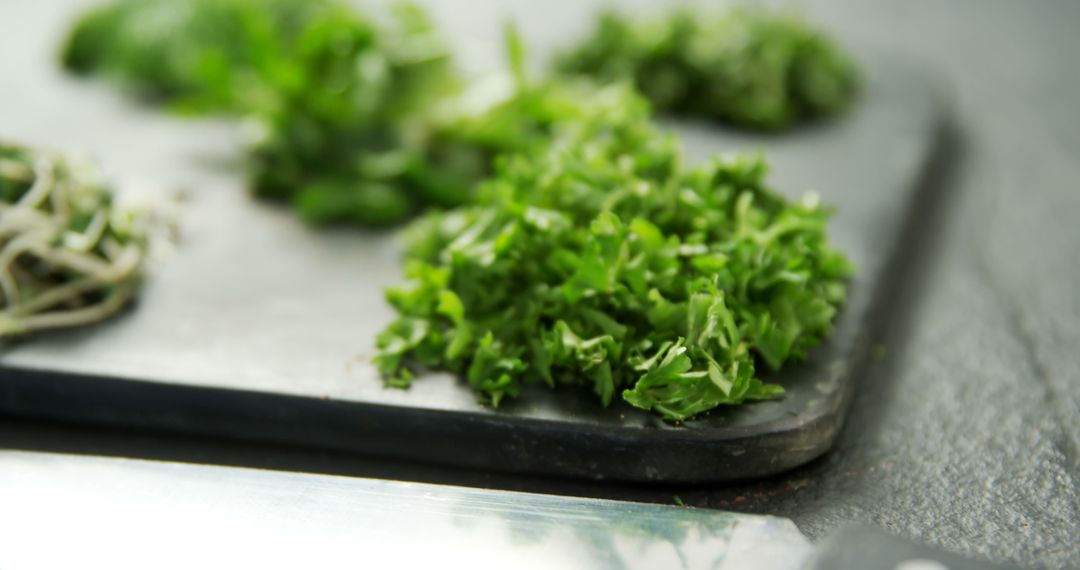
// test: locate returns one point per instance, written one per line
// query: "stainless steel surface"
(80, 512)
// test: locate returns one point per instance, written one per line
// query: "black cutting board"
(260, 328)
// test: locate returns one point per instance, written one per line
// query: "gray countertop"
(965, 434)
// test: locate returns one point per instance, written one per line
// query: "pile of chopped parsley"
(605, 263)
(68, 255)
(748, 67)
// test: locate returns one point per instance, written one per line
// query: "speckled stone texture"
(967, 435)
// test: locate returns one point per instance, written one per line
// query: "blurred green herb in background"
(198, 55)
(749, 67)
(360, 120)
(334, 173)
(340, 97)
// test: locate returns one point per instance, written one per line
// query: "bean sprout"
(68, 255)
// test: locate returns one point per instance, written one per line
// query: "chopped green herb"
(202, 55)
(348, 138)
(361, 121)
(748, 67)
(333, 173)
(68, 255)
(602, 263)
(342, 99)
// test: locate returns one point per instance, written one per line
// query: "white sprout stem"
(11, 251)
(43, 184)
(82, 316)
(92, 266)
(80, 262)
(15, 169)
(18, 220)
(52, 297)
(126, 263)
(59, 199)
(88, 264)
(88, 239)
(8, 285)
(9, 291)
(65, 293)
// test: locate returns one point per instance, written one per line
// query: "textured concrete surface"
(967, 435)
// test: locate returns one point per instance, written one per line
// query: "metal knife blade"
(63, 511)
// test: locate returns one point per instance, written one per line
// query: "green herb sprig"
(195, 55)
(436, 159)
(68, 255)
(341, 99)
(749, 67)
(361, 120)
(603, 263)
